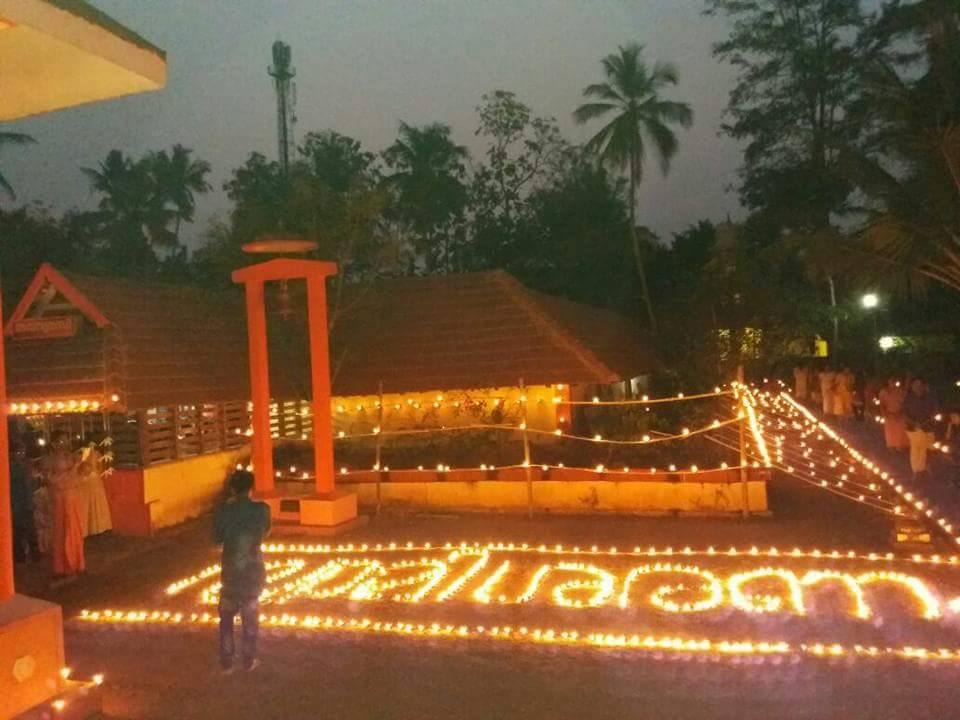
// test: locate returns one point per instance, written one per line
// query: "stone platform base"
(31, 654)
(285, 527)
(330, 514)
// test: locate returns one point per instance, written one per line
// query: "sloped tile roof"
(480, 329)
(168, 344)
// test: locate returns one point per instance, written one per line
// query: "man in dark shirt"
(240, 524)
(919, 407)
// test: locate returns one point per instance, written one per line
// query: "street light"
(870, 301)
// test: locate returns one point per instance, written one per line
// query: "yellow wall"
(566, 496)
(359, 414)
(182, 489)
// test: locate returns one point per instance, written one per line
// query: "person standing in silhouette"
(239, 525)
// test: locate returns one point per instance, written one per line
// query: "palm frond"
(603, 91)
(588, 111)
(6, 187)
(13, 138)
(664, 140)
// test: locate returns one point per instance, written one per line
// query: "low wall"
(128, 510)
(182, 489)
(145, 499)
(562, 491)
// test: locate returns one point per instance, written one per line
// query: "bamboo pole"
(526, 448)
(379, 460)
(742, 413)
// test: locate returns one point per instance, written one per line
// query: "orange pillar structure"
(320, 382)
(327, 510)
(262, 445)
(6, 519)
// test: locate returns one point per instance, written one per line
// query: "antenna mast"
(282, 73)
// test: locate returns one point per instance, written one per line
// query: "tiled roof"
(169, 344)
(475, 330)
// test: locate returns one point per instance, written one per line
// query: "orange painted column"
(6, 518)
(320, 381)
(262, 450)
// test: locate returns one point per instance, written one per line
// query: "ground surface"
(170, 672)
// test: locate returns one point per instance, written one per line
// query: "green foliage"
(142, 205)
(798, 73)
(907, 159)
(428, 191)
(12, 138)
(29, 236)
(523, 152)
(573, 246)
(330, 194)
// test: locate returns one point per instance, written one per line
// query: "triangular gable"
(46, 284)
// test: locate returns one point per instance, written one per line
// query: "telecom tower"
(282, 73)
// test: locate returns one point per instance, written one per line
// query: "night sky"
(364, 66)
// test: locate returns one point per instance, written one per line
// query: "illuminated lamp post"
(870, 302)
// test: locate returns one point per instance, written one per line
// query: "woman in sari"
(61, 470)
(92, 469)
(891, 399)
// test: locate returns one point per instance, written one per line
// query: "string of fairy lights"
(340, 406)
(797, 453)
(668, 582)
(522, 427)
(645, 439)
(910, 499)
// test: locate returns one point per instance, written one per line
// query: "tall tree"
(177, 179)
(427, 180)
(523, 154)
(631, 94)
(797, 75)
(798, 64)
(574, 245)
(338, 161)
(131, 222)
(12, 138)
(330, 195)
(908, 160)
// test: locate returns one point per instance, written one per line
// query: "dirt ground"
(171, 672)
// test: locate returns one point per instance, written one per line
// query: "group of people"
(909, 412)
(57, 500)
(906, 406)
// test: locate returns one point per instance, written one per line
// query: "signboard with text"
(46, 328)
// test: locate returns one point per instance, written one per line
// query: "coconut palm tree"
(428, 183)
(639, 117)
(127, 206)
(12, 138)
(177, 179)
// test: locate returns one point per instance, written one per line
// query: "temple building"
(163, 369)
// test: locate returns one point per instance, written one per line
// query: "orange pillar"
(320, 381)
(6, 519)
(262, 446)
